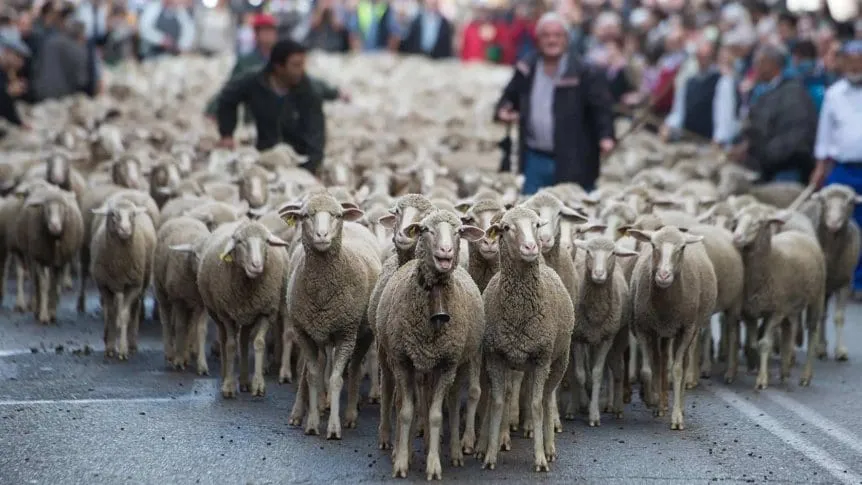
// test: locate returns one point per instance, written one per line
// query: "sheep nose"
(445, 250)
(321, 233)
(529, 247)
(663, 274)
(600, 275)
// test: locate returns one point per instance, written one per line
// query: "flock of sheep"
(412, 261)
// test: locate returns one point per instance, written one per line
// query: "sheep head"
(439, 239)
(126, 172)
(668, 248)
(838, 201)
(483, 214)
(518, 234)
(321, 219)
(600, 257)
(408, 209)
(54, 204)
(754, 223)
(549, 208)
(247, 247)
(120, 218)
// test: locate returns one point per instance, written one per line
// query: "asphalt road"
(67, 416)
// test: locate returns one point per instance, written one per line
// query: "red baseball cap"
(263, 20)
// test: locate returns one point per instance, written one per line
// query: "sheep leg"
(68, 283)
(706, 351)
(41, 282)
(274, 364)
(692, 372)
(575, 385)
(285, 374)
(137, 314)
(599, 359)
(648, 359)
(341, 354)
(21, 304)
(387, 389)
(765, 345)
(35, 295)
(484, 415)
(496, 371)
(85, 273)
(406, 387)
(374, 371)
(324, 364)
(787, 338)
(313, 370)
(199, 323)
(177, 317)
(229, 384)
(555, 377)
(813, 315)
(222, 333)
(53, 293)
(300, 402)
(109, 315)
(619, 378)
(538, 398)
(822, 345)
(474, 393)
(724, 337)
(632, 361)
(433, 468)
(682, 344)
(732, 325)
(580, 359)
(123, 310)
(354, 378)
(244, 337)
(168, 325)
(453, 406)
(511, 391)
(661, 351)
(840, 309)
(514, 405)
(522, 393)
(327, 371)
(3, 260)
(258, 385)
(555, 416)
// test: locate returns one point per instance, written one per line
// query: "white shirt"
(151, 35)
(724, 122)
(838, 134)
(93, 25)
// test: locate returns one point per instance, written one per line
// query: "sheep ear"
(643, 236)
(471, 233)
(663, 202)
(692, 239)
(413, 230)
(387, 221)
(463, 205)
(226, 253)
(290, 217)
(542, 223)
(590, 201)
(622, 230)
(595, 227)
(35, 202)
(183, 248)
(508, 205)
(625, 253)
(352, 214)
(259, 211)
(706, 215)
(493, 232)
(99, 210)
(572, 215)
(349, 205)
(274, 240)
(707, 200)
(290, 206)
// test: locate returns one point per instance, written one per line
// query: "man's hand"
(738, 152)
(17, 88)
(226, 142)
(664, 132)
(168, 44)
(606, 145)
(344, 96)
(507, 114)
(821, 171)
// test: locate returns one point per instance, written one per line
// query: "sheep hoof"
(294, 421)
(433, 469)
(594, 423)
(658, 413)
(258, 386)
(505, 443)
(458, 461)
(489, 465)
(528, 433)
(311, 431)
(479, 455)
(20, 308)
(805, 381)
(203, 370)
(285, 379)
(110, 353)
(467, 450)
(841, 355)
(558, 427)
(384, 445)
(244, 387)
(513, 427)
(541, 465)
(677, 426)
(706, 374)
(400, 469)
(372, 399)
(228, 389)
(618, 414)
(551, 453)
(728, 379)
(122, 355)
(350, 419)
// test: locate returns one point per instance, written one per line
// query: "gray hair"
(607, 18)
(772, 52)
(549, 18)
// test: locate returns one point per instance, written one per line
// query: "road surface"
(69, 416)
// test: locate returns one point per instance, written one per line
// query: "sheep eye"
(424, 230)
(507, 227)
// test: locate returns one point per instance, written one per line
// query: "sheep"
(737, 180)
(254, 186)
(839, 237)
(122, 255)
(165, 179)
(14, 241)
(53, 230)
(241, 280)
(222, 191)
(179, 206)
(529, 320)
(328, 294)
(179, 247)
(215, 213)
(419, 342)
(785, 273)
(602, 311)
(484, 254)
(550, 209)
(126, 172)
(674, 289)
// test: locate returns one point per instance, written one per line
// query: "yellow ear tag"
(290, 221)
(227, 258)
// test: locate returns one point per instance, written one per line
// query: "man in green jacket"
(265, 36)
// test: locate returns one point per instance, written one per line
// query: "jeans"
(850, 174)
(540, 171)
(786, 176)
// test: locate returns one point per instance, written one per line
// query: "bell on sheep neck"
(437, 304)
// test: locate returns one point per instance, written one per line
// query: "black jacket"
(296, 119)
(8, 110)
(412, 44)
(781, 130)
(582, 116)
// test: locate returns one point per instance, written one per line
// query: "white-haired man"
(563, 109)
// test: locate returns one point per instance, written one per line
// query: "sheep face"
(57, 170)
(733, 179)
(755, 222)
(838, 202)
(482, 216)
(550, 209)
(254, 188)
(126, 172)
(440, 235)
(720, 215)
(519, 230)
(165, 178)
(321, 219)
(338, 173)
(54, 205)
(617, 215)
(120, 218)
(247, 248)
(668, 244)
(409, 209)
(600, 257)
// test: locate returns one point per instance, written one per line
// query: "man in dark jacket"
(781, 128)
(284, 103)
(563, 109)
(13, 52)
(430, 33)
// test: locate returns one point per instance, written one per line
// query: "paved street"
(69, 416)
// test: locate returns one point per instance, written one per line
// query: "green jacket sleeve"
(326, 91)
(237, 70)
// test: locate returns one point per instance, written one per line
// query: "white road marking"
(831, 428)
(133, 400)
(69, 350)
(838, 470)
